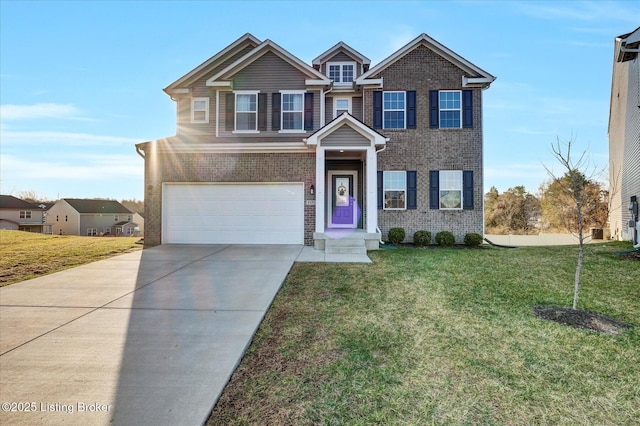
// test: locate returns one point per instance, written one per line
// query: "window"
(25, 214)
(341, 105)
(200, 110)
(450, 192)
(57, 218)
(66, 218)
(292, 111)
(341, 73)
(395, 190)
(246, 111)
(450, 109)
(92, 232)
(393, 110)
(128, 218)
(116, 217)
(451, 189)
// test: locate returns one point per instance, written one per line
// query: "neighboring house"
(624, 138)
(269, 149)
(70, 216)
(20, 215)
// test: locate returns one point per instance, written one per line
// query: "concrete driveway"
(145, 338)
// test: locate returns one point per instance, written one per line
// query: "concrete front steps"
(345, 246)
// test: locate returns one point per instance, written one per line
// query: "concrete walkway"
(145, 338)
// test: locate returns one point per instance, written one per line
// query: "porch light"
(312, 190)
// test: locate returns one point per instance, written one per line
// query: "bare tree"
(575, 185)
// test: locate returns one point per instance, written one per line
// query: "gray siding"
(269, 74)
(345, 136)
(624, 145)
(341, 56)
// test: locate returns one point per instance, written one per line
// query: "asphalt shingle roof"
(97, 206)
(11, 202)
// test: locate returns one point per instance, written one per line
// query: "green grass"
(25, 255)
(443, 336)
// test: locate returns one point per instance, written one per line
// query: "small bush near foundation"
(396, 235)
(472, 239)
(422, 238)
(445, 238)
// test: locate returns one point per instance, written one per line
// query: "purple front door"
(343, 203)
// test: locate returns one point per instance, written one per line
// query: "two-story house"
(270, 149)
(20, 215)
(624, 139)
(74, 216)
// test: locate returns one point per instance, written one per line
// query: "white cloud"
(49, 138)
(79, 168)
(9, 112)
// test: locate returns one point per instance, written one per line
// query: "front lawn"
(25, 255)
(443, 336)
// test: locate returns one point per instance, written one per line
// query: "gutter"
(139, 149)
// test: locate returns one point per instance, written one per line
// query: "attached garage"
(233, 213)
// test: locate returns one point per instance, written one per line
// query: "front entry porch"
(346, 186)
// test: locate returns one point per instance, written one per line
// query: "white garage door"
(270, 213)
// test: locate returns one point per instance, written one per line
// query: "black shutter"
(467, 189)
(308, 111)
(411, 109)
(229, 122)
(412, 190)
(262, 111)
(275, 111)
(467, 109)
(434, 189)
(377, 110)
(434, 119)
(380, 194)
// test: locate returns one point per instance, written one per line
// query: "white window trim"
(440, 109)
(90, 234)
(206, 110)
(25, 214)
(115, 217)
(461, 189)
(341, 65)
(235, 110)
(404, 110)
(384, 190)
(282, 111)
(335, 105)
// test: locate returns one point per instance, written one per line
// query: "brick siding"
(424, 149)
(213, 167)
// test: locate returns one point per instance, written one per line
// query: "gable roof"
(480, 77)
(352, 52)
(97, 206)
(267, 46)
(11, 202)
(346, 119)
(241, 43)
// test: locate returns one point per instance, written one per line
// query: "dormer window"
(341, 73)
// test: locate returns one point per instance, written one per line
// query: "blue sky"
(81, 82)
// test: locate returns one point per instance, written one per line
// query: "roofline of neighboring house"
(268, 45)
(174, 88)
(483, 81)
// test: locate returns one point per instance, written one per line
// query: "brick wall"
(424, 149)
(213, 167)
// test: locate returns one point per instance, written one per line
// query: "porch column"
(320, 189)
(372, 189)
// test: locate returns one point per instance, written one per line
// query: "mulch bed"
(580, 319)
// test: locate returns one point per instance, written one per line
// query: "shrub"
(472, 239)
(422, 238)
(445, 238)
(396, 235)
